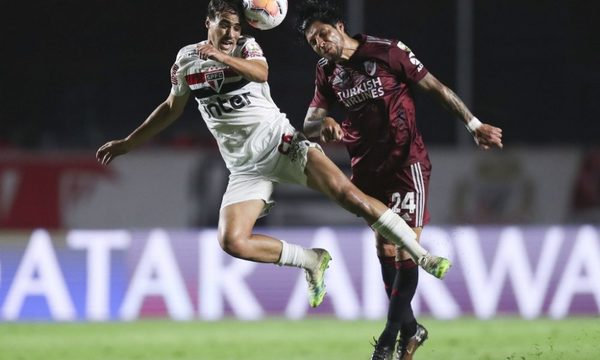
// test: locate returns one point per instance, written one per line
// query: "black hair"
(220, 6)
(310, 11)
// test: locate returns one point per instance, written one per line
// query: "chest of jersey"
(353, 86)
(207, 80)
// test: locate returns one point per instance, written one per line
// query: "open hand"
(107, 152)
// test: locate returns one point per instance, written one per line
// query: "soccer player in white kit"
(227, 74)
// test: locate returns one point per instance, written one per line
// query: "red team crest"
(215, 79)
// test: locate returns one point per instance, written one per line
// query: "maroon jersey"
(380, 131)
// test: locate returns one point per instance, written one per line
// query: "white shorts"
(286, 164)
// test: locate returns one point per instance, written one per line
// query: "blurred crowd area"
(182, 188)
(75, 74)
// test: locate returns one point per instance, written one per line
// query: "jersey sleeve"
(404, 63)
(323, 97)
(251, 50)
(179, 85)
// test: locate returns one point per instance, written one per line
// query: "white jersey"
(239, 113)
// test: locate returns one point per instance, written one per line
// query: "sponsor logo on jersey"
(220, 105)
(402, 46)
(215, 79)
(366, 90)
(193, 53)
(174, 69)
(411, 56)
(413, 60)
(252, 50)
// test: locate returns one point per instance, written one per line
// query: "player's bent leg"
(236, 222)
(324, 176)
(235, 236)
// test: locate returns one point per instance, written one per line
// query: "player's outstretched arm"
(318, 125)
(159, 119)
(485, 135)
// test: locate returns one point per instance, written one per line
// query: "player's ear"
(207, 22)
(340, 26)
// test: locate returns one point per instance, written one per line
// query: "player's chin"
(324, 54)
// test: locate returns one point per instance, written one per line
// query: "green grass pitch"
(313, 338)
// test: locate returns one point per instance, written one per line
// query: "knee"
(233, 243)
(384, 248)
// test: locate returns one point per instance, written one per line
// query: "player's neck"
(350, 46)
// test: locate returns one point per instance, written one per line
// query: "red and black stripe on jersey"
(206, 90)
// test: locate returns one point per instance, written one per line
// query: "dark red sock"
(388, 272)
(400, 315)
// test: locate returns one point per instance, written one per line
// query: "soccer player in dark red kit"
(372, 78)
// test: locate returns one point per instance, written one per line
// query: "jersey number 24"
(408, 203)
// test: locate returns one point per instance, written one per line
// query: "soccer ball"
(265, 14)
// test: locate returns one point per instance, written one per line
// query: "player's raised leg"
(325, 176)
(236, 222)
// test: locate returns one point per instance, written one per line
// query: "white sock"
(296, 255)
(394, 228)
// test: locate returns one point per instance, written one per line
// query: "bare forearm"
(156, 122)
(446, 96)
(485, 135)
(312, 128)
(312, 122)
(253, 70)
(454, 104)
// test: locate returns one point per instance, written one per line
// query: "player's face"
(326, 40)
(224, 31)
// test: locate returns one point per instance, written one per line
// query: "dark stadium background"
(76, 73)
(522, 225)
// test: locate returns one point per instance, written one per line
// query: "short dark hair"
(310, 11)
(219, 6)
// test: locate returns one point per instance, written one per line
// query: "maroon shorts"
(405, 192)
